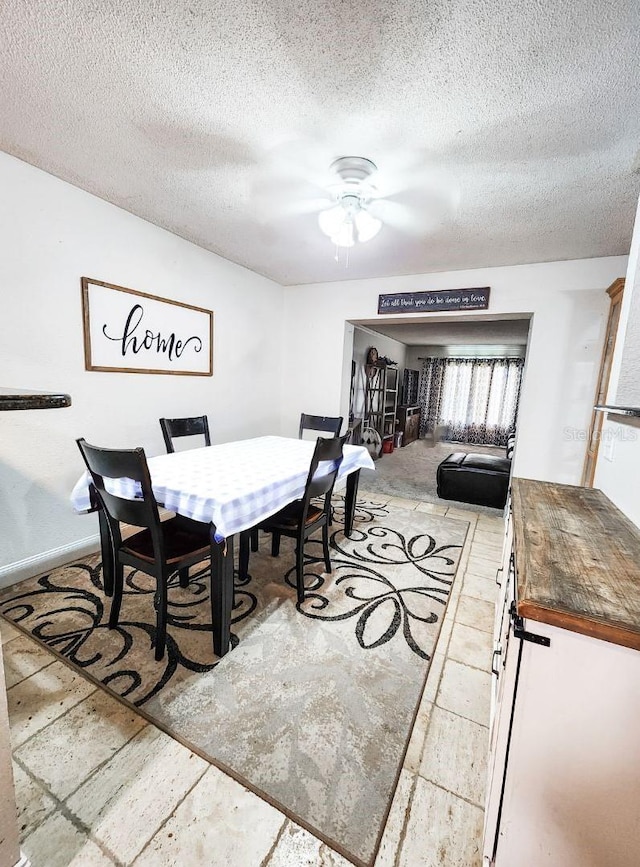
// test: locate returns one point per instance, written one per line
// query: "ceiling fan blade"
(273, 197)
(307, 206)
(412, 218)
(292, 179)
(301, 159)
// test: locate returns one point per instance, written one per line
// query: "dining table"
(231, 487)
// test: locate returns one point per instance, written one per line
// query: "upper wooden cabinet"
(614, 292)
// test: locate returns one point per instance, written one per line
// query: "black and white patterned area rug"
(313, 707)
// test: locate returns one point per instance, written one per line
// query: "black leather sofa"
(482, 480)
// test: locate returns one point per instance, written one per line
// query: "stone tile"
(480, 588)
(445, 630)
(471, 646)
(442, 831)
(489, 556)
(298, 847)
(43, 697)
(482, 567)
(433, 677)
(147, 778)
(492, 537)
(491, 526)
(65, 753)
(485, 557)
(32, 801)
(394, 829)
(402, 503)
(372, 496)
(58, 843)
(433, 508)
(476, 612)
(462, 567)
(488, 577)
(465, 691)
(22, 658)
(7, 631)
(455, 755)
(219, 823)
(492, 522)
(483, 552)
(462, 515)
(418, 735)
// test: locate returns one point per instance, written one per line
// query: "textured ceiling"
(505, 131)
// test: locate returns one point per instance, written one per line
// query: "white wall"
(569, 307)
(363, 339)
(618, 467)
(52, 234)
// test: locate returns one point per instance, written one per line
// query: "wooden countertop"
(18, 398)
(577, 561)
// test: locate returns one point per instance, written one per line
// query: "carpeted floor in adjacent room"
(410, 472)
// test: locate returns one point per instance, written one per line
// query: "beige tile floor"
(97, 785)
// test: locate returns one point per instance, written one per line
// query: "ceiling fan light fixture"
(331, 220)
(366, 225)
(349, 221)
(345, 236)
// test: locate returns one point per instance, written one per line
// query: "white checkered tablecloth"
(234, 486)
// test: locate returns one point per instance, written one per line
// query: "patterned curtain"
(430, 393)
(475, 399)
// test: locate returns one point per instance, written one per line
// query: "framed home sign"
(133, 332)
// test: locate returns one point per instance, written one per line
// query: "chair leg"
(275, 544)
(106, 548)
(184, 577)
(161, 615)
(254, 539)
(325, 547)
(116, 599)
(300, 570)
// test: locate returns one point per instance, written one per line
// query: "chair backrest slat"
(173, 428)
(325, 423)
(120, 464)
(329, 450)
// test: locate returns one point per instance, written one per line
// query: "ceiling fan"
(355, 199)
(349, 219)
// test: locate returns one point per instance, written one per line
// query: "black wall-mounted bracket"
(520, 632)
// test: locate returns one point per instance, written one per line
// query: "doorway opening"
(421, 391)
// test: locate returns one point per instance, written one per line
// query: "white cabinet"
(564, 764)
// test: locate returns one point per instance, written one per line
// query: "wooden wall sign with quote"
(133, 332)
(435, 302)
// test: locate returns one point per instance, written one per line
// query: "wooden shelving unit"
(381, 399)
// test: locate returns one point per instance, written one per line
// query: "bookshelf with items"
(381, 399)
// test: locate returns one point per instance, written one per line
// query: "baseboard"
(31, 566)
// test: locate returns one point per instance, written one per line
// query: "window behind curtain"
(475, 399)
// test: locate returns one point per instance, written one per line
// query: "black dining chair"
(174, 428)
(298, 520)
(321, 423)
(160, 548)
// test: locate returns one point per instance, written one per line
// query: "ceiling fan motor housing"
(353, 170)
